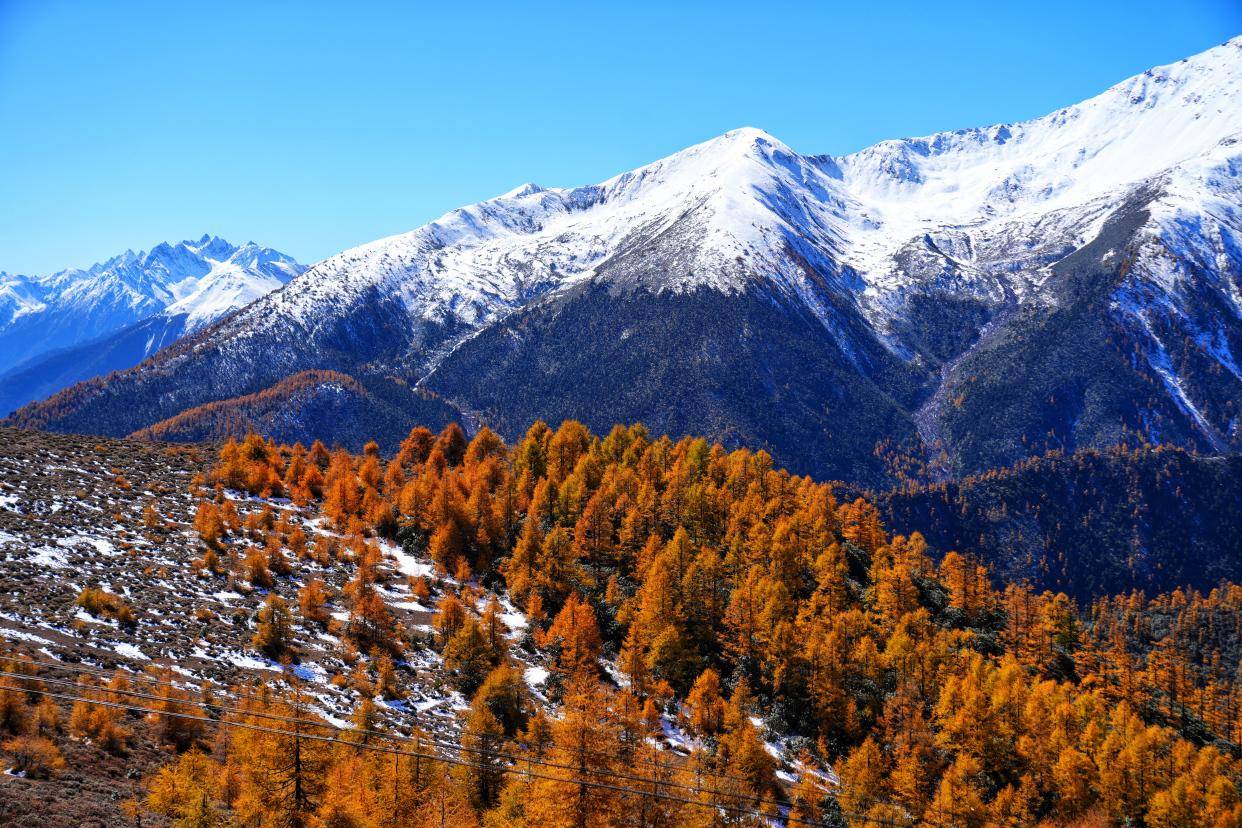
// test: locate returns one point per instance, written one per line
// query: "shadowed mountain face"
(1073, 371)
(1090, 523)
(742, 366)
(339, 408)
(941, 304)
(45, 375)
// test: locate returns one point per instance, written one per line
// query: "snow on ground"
(675, 738)
(21, 635)
(513, 618)
(100, 545)
(249, 662)
(535, 676)
(408, 564)
(49, 557)
(131, 651)
(311, 671)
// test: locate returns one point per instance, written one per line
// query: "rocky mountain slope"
(118, 516)
(965, 299)
(133, 558)
(75, 324)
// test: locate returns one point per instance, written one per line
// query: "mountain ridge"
(68, 326)
(904, 253)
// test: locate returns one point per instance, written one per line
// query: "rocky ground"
(78, 512)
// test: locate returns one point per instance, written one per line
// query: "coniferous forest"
(726, 644)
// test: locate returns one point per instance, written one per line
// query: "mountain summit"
(958, 301)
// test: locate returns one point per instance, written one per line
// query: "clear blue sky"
(312, 127)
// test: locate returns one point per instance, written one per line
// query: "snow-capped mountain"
(750, 194)
(199, 279)
(74, 324)
(971, 296)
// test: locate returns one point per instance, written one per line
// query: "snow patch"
(130, 651)
(535, 676)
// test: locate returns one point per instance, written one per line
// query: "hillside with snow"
(966, 298)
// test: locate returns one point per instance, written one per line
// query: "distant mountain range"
(76, 324)
(925, 307)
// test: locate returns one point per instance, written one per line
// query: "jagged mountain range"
(66, 327)
(946, 304)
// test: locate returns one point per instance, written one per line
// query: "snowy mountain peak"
(1135, 129)
(484, 259)
(236, 277)
(529, 188)
(736, 142)
(215, 248)
(201, 279)
(727, 160)
(744, 206)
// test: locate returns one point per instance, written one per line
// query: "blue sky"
(312, 127)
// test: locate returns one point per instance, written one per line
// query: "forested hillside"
(1090, 523)
(353, 411)
(720, 642)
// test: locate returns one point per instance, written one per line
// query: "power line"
(317, 723)
(379, 734)
(433, 757)
(383, 735)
